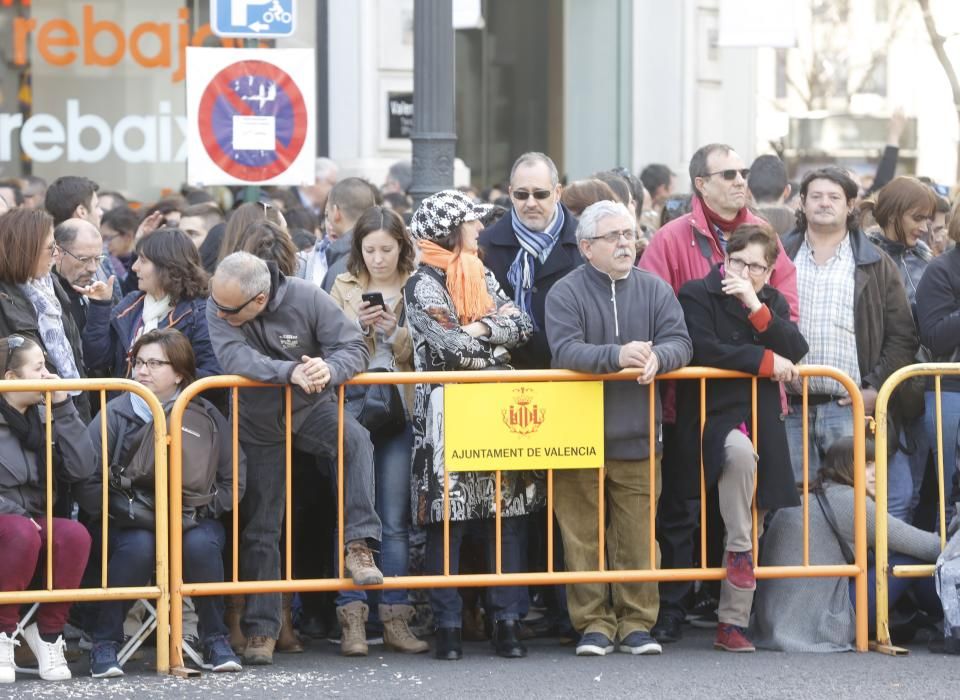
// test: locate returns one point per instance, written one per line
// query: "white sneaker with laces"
(7, 668)
(53, 665)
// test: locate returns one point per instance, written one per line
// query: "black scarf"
(28, 429)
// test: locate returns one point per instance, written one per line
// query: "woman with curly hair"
(172, 294)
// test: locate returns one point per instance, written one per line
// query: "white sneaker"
(53, 665)
(7, 668)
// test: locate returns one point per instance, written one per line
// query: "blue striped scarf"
(532, 246)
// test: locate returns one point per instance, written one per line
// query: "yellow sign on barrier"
(556, 425)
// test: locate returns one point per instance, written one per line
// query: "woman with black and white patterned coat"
(461, 320)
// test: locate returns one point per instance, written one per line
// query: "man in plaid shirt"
(853, 313)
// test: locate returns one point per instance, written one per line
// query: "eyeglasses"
(86, 260)
(523, 195)
(736, 265)
(52, 248)
(731, 173)
(14, 343)
(233, 310)
(628, 234)
(152, 364)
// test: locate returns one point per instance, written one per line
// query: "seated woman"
(737, 321)
(163, 361)
(173, 291)
(817, 614)
(461, 320)
(23, 522)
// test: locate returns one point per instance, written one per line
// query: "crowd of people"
(310, 286)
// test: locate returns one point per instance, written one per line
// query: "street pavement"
(690, 669)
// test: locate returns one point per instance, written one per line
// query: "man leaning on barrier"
(271, 328)
(603, 317)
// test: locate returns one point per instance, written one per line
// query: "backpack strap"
(831, 519)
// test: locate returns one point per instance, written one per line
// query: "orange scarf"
(466, 280)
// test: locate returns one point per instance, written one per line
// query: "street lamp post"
(434, 137)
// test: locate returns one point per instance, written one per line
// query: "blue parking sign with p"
(265, 19)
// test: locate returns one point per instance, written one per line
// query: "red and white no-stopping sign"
(251, 118)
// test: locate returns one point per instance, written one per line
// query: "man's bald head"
(80, 251)
(240, 288)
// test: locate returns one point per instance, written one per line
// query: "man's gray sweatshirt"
(589, 317)
(300, 319)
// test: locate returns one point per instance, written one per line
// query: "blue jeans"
(826, 422)
(924, 589)
(391, 460)
(950, 412)
(262, 510)
(132, 563)
(904, 466)
(503, 602)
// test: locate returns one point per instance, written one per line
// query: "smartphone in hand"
(374, 299)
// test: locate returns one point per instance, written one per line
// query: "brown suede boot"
(353, 632)
(259, 651)
(233, 613)
(396, 630)
(288, 642)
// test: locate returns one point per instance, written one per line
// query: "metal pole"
(434, 137)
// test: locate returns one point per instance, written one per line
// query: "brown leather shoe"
(288, 642)
(353, 628)
(259, 651)
(396, 630)
(233, 613)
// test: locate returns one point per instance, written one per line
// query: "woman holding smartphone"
(371, 291)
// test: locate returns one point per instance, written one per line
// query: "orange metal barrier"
(882, 558)
(160, 591)
(179, 589)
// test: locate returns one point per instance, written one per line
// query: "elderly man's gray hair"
(591, 216)
(247, 270)
(533, 157)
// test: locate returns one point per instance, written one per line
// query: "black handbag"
(131, 505)
(377, 407)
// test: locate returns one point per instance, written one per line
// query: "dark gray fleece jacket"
(589, 317)
(300, 319)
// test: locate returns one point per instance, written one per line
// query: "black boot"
(449, 646)
(506, 639)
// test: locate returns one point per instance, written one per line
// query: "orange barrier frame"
(179, 589)
(159, 592)
(882, 554)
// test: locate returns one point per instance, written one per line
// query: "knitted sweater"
(783, 608)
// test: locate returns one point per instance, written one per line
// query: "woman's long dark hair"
(838, 465)
(177, 262)
(380, 218)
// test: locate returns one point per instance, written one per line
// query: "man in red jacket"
(683, 250)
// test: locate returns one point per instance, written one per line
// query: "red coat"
(676, 254)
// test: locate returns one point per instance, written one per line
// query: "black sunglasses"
(233, 310)
(731, 173)
(523, 195)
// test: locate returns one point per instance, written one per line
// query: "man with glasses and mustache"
(603, 317)
(686, 249)
(76, 260)
(281, 330)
